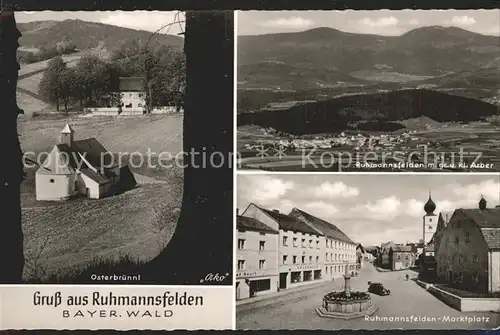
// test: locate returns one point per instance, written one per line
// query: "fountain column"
(347, 285)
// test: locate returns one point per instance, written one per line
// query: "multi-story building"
(257, 258)
(383, 255)
(401, 257)
(468, 254)
(338, 252)
(443, 220)
(299, 247)
(132, 94)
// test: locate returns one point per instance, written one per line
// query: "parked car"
(379, 289)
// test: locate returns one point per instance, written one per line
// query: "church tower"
(430, 222)
(67, 135)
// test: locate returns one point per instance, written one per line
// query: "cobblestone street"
(296, 309)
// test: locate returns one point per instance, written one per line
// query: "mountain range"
(417, 55)
(86, 35)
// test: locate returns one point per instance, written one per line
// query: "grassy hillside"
(65, 237)
(118, 134)
(85, 35)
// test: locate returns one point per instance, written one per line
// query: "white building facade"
(257, 258)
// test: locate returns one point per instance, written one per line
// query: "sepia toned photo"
(367, 251)
(100, 113)
(381, 90)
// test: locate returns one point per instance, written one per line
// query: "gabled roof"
(360, 247)
(94, 152)
(131, 84)
(492, 237)
(287, 222)
(488, 221)
(97, 177)
(446, 216)
(387, 245)
(59, 163)
(401, 248)
(251, 224)
(488, 218)
(67, 129)
(327, 228)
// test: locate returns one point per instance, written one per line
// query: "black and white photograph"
(361, 91)
(101, 98)
(368, 251)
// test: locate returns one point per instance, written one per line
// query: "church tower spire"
(430, 221)
(430, 206)
(67, 135)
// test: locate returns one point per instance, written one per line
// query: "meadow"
(62, 238)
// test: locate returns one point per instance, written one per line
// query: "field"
(31, 83)
(159, 133)
(27, 69)
(30, 104)
(61, 237)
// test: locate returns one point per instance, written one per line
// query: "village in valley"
(344, 87)
(101, 102)
(438, 250)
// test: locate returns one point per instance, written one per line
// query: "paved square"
(408, 302)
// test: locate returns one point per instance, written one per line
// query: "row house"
(401, 257)
(468, 249)
(338, 249)
(257, 261)
(309, 249)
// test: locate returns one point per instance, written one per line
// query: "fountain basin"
(342, 306)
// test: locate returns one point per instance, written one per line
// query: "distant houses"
(401, 257)
(78, 168)
(133, 96)
(360, 256)
(133, 102)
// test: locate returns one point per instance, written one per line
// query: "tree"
(169, 81)
(66, 46)
(50, 86)
(11, 172)
(208, 192)
(98, 82)
(69, 87)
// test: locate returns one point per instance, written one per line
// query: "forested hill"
(86, 35)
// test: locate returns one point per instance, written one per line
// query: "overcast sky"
(370, 209)
(140, 20)
(382, 22)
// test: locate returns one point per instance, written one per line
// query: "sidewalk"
(288, 294)
(281, 293)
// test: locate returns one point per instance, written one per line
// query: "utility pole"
(11, 170)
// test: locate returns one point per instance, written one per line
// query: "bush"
(64, 47)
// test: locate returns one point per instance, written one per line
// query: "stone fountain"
(346, 304)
